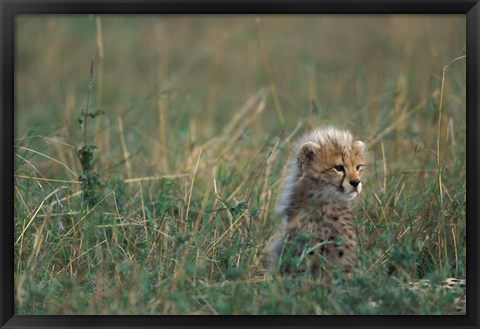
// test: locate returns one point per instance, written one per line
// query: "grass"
(199, 117)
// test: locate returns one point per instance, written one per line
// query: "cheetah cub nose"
(354, 182)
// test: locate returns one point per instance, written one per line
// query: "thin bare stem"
(85, 113)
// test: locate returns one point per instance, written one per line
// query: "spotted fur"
(323, 179)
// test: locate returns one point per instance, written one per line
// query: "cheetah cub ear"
(307, 153)
(360, 145)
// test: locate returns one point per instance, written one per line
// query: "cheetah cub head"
(331, 163)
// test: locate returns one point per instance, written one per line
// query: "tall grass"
(200, 116)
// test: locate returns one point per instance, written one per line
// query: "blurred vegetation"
(199, 116)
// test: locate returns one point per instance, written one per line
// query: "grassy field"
(199, 117)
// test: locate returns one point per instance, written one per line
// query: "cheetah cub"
(318, 232)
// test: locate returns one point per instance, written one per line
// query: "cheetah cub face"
(332, 168)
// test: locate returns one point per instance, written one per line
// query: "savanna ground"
(199, 116)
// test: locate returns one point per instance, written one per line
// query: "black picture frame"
(10, 8)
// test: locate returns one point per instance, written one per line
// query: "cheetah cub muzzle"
(318, 234)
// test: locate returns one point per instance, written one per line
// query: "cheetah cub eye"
(359, 167)
(340, 168)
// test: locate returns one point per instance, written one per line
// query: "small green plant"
(89, 178)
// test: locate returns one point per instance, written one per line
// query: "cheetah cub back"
(324, 178)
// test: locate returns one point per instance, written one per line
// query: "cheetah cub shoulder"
(324, 178)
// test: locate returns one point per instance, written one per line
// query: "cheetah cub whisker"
(323, 179)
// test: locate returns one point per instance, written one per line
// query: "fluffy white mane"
(320, 136)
